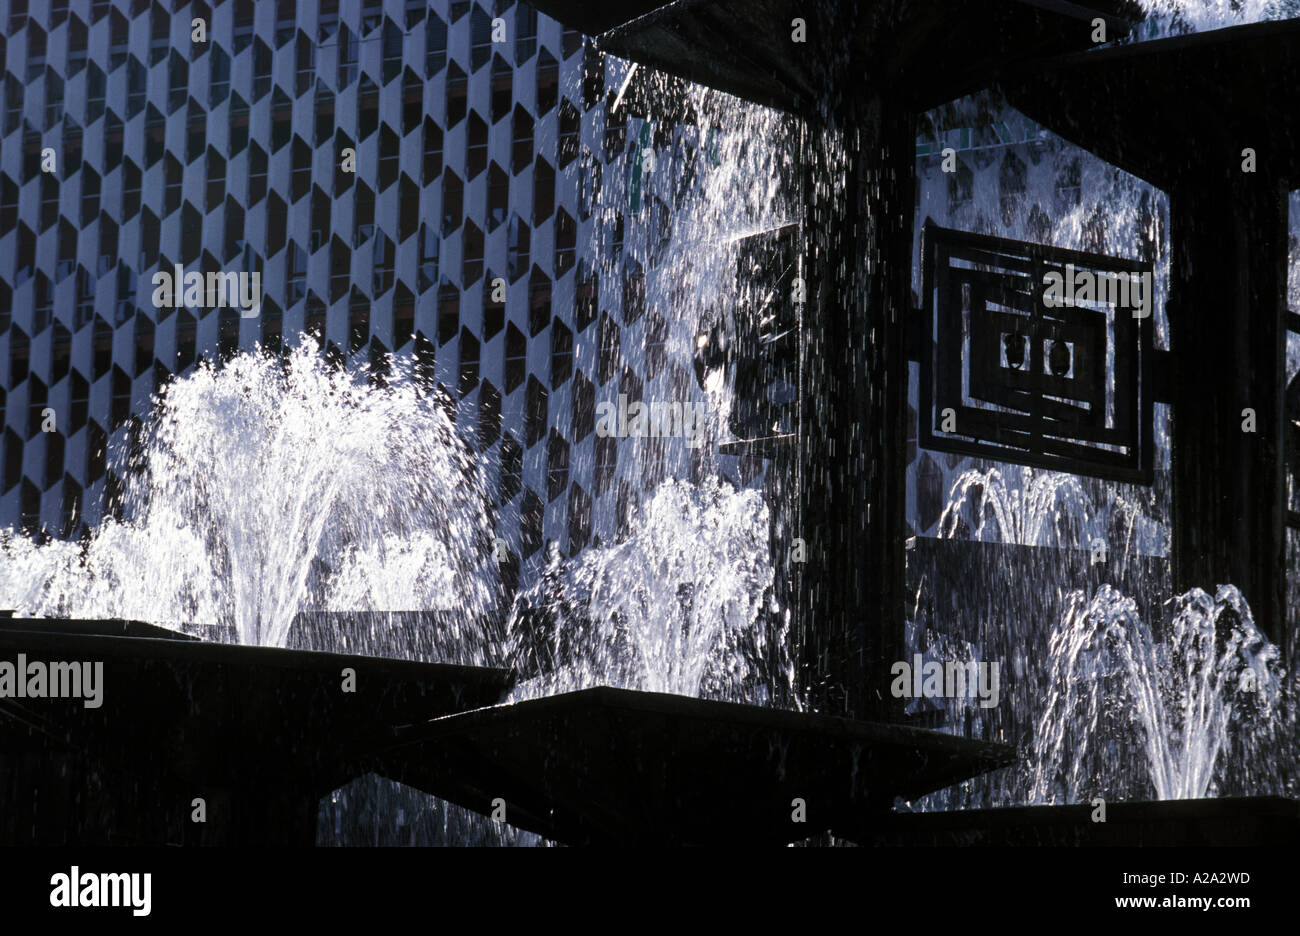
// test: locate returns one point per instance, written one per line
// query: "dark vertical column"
(1226, 312)
(860, 202)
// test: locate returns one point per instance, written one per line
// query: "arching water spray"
(270, 486)
(1175, 700)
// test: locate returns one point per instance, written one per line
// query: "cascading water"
(680, 599)
(1104, 540)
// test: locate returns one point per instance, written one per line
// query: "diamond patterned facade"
(470, 156)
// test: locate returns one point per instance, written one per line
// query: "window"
(340, 269)
(522, 152)
(44, 303)
(358, 323)
(306, 65)
(178, 78)
(415, 10)
(89, 196)
(363, 214)
(498, 196)
(518, 244)
(516, 358)
(256, 174)
(281, 121)
(539, 301)
(216, 171)
(285, 16)
(320, 219)
(159, 35)
(432, 150)
(472, 261)
(502, 87)
(566, 242)
(295, 275)
(392, 49)
(54, 100)
(557, 465)
(548, 82)
(435, 46)
(49, 200)
(261, 69)
(570, 130)
(243, 25)
(525, 33)
(173, 179)
(324, 115)
(448, 311)
(327, 21)
(117, 45)
(150, 235)
(107, 244)
(372, 14)
(13, 104)
(234, 229)
(114, 144)
(136, 78)
(238, 125)
(561, 353)
(300, 179)
(77, 35)
(96, 92)
(8, 203)
(543, 191)
(453, 192)
(219, 76)
(31, 154)
(196, 136)
(367, 108)
(17, 15)
(35, 53)
(480, 49)
(126, 291)
(347, 57)
(84, 311)
(457, 90)
(388, 158)
(412, 101)
(403, 316)
(429, 244)
(469, 361)
(132, 180)
(476, 146)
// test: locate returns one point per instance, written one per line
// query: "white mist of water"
(675, 607)
(1165, 17)
(1178, 697)
(271, 486)
(1028, 507)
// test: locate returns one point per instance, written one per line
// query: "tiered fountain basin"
(260, 734)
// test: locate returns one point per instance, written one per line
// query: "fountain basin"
(611, 766)
(258, 733)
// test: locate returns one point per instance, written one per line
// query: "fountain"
(731, 692)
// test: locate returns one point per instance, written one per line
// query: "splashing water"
(1030, 508)
(1172, 17)
(675, 607)
(1117, 689)
(270, 486)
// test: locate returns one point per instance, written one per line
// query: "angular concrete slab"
(615, 767)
